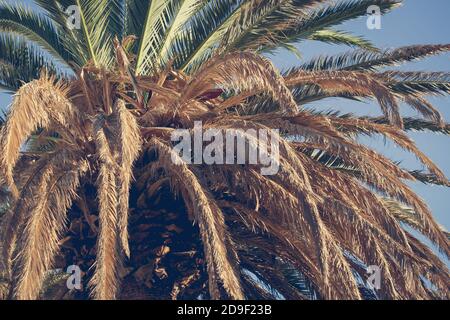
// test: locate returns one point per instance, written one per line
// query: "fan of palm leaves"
(92, 101)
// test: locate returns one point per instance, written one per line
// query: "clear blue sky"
(417, 22)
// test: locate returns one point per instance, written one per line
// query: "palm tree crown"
(97, 106)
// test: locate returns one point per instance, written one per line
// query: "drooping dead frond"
(43, 226)
(129, 149)
(211, 223)
(37, 104)
(369, 213)
(356, 83)
(404, 214)
(298, 213)
(325, 137)
(105, 282)
(30, 186)
(410, 123)
(425, 108)
(352, 125)
(399, 191)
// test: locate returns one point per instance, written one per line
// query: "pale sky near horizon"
(417, 22)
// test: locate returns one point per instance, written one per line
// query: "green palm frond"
(310, 93)
(326, 17)
(234, 23)
(184, 11)
(427, 178)
(298, 280)
(360, 60)
(116, 12)
(157, 21)
(269, 27)
(410, 124)
(4, 207)
(418, 125)
(73, 39)
(97, 29)
(8, 80)
(41, 143)
(20, 20)
(417, 82)
(54, 284)
(372, 61)
(258, 19)
(2, 119)
(135, 14)
(101, 21)
(188, 31)
(341, 37)
(208, 29)
(266, 25)
(20, 62)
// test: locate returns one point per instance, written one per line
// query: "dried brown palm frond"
(364, 224)
(269, 227)
(368, 168)
(425, 108)
(44, 224)
(375, 170)
(410, 87)
(310, 230)
(32, 173)
(130, 147)
(396, 135)
(296, 177)
(38, 104)
(211, 223)
(403, 214)
(388, 224)
(395, 188)
(118, 143)
(353, 83)
(381, 248)
(241, 72)
(105, 281)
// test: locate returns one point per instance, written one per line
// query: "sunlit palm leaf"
(339, 37)
(156, 23)
(325, 17)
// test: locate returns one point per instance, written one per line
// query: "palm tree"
(97, 106)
